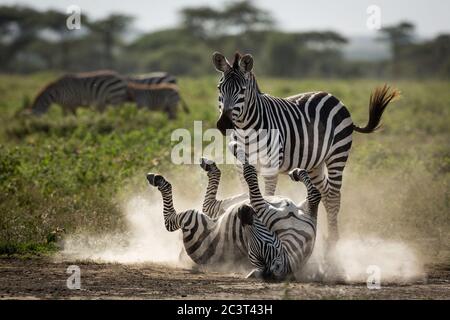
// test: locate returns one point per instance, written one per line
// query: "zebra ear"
(246, 63)
(220, 62)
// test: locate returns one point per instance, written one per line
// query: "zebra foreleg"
(332, 205)
(171, 111)
(265, 251)
(211, 206)
(332, 201)
(101, 107)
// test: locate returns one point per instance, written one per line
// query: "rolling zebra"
(153, 78)
(164, 97)
(274, 235)
(314, 130)
(100, 88)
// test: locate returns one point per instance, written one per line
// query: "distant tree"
(281, 56)
(56, 22)
(237, 17)
(201, 21)
(19, 27)
(321, 39)
(110, 30)
(399, 37)
(243, 16)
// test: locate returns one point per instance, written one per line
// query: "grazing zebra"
(164, 97)
(100, 88)
(153, 78)
(314, 130)
(274, 235)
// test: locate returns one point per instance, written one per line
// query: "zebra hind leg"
(171, 218)
(311, 205)
(155, 180)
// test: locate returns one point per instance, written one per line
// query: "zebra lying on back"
(313, 130)
(274, 235)
(100, 88)
(153, 78)
(164, 97)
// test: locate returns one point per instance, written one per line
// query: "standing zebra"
(274, 235)
(314, 130)
(164, 96)
(100, 88)
(153, 78)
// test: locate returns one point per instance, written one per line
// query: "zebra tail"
(379, 100)
(184, 105)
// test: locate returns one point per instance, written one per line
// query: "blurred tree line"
(32, 40)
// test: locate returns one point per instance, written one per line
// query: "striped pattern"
(207, 240)
(282, 236)
(99, 89)
(273, 235)
(153, 78)
(313, 130)
(211, 206)
(163, 97)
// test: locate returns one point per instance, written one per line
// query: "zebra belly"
(223, 242)
(296, 229)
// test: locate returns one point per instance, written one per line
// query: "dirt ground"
(44, 278)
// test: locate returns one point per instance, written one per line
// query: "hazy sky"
(345, 16)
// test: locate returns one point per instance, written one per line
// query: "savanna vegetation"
(74, 172)
(33, 40)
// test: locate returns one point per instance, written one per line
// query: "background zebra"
(164, 97)
(274, 235)
(314, 130)
(99, 88)
(153, 78)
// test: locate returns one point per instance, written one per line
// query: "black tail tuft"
(379, 100)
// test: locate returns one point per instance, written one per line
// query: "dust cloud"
(147, 241)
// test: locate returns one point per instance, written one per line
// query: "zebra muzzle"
(224, 123)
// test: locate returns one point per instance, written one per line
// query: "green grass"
(71, 171)
(26, 250)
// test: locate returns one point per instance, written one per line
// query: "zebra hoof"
(207, 164)
(298, 175)
(155, 179)
(245, 214)
(255, 274)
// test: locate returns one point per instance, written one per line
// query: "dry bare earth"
(46, 279)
